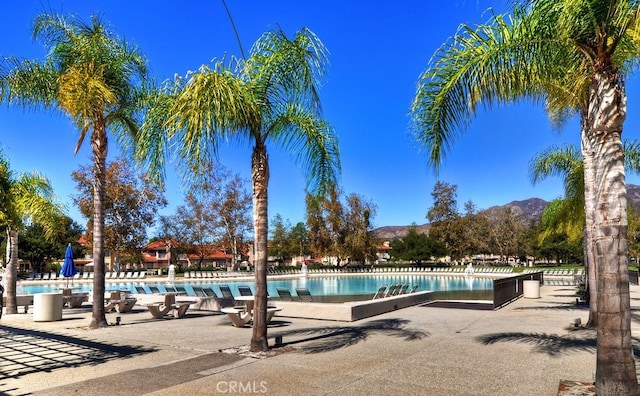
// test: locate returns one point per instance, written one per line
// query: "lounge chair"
(208, 300)
(392, 290)
(226, 291)
(245, 291)
(304, 294)
(414, 288)
(139, 289)
(181, 289)
(154, 289)
(209, 292)
(284, 293)
(380, 293)
(403, 289)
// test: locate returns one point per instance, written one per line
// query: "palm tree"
(271, 98)
(573, 55)
(26, 198)
(567, 215)
(92, 76)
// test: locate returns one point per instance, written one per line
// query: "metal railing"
(508, 289)
(633, 277)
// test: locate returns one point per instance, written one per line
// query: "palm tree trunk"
(260, 183)
(11, 272)
(589, 210)
(615, 365)
(99, 148)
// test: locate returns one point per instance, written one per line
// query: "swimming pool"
(357, 286)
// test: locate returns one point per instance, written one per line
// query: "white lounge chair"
(380, 293)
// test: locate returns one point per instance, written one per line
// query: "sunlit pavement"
(525, 348)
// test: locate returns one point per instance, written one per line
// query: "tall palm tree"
(92, 76)
(572, 54)
(269, 99)
(24, 198)
(568, 213)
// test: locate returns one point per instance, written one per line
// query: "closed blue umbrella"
(68, 267)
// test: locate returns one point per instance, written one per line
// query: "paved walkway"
(525, 348)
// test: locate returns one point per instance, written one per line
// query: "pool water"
(325, 288)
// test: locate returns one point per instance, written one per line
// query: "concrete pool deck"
(525, 348)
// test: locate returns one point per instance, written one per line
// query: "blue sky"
(377, 51)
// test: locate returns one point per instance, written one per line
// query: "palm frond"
(632, 155)
(284, 70)
(208, 108)
(28, 83)
(314, 143)
(498, 62)
(555, 161)
(36, 201)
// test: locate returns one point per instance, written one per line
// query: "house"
(159, 254)
(382, 252)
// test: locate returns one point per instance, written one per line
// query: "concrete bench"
(240, 316)
(75, 300)
(159, 310)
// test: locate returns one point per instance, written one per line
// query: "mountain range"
(530, 210)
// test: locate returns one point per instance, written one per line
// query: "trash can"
(531, 289)
(47, 307)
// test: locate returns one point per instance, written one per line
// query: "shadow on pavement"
(329, 338)
(553, 344)
(25, 351)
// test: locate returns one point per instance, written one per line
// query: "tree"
(280, 230)
(25, 198)
(359, 241)
(93, 77)
(271, 98)
(191, 229)
(130, 205)
(417, 247)
(216, 214)
(567, 216)
(340, 226)
(320, 238)
(39, 250)
(299, 243)
(334, 220)
(230, 205)
(506, 232)
(634, 233)
(572, 54)
(471, 233)
(443, 216)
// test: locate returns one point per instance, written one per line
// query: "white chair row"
(210, 274)
(125, 274)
